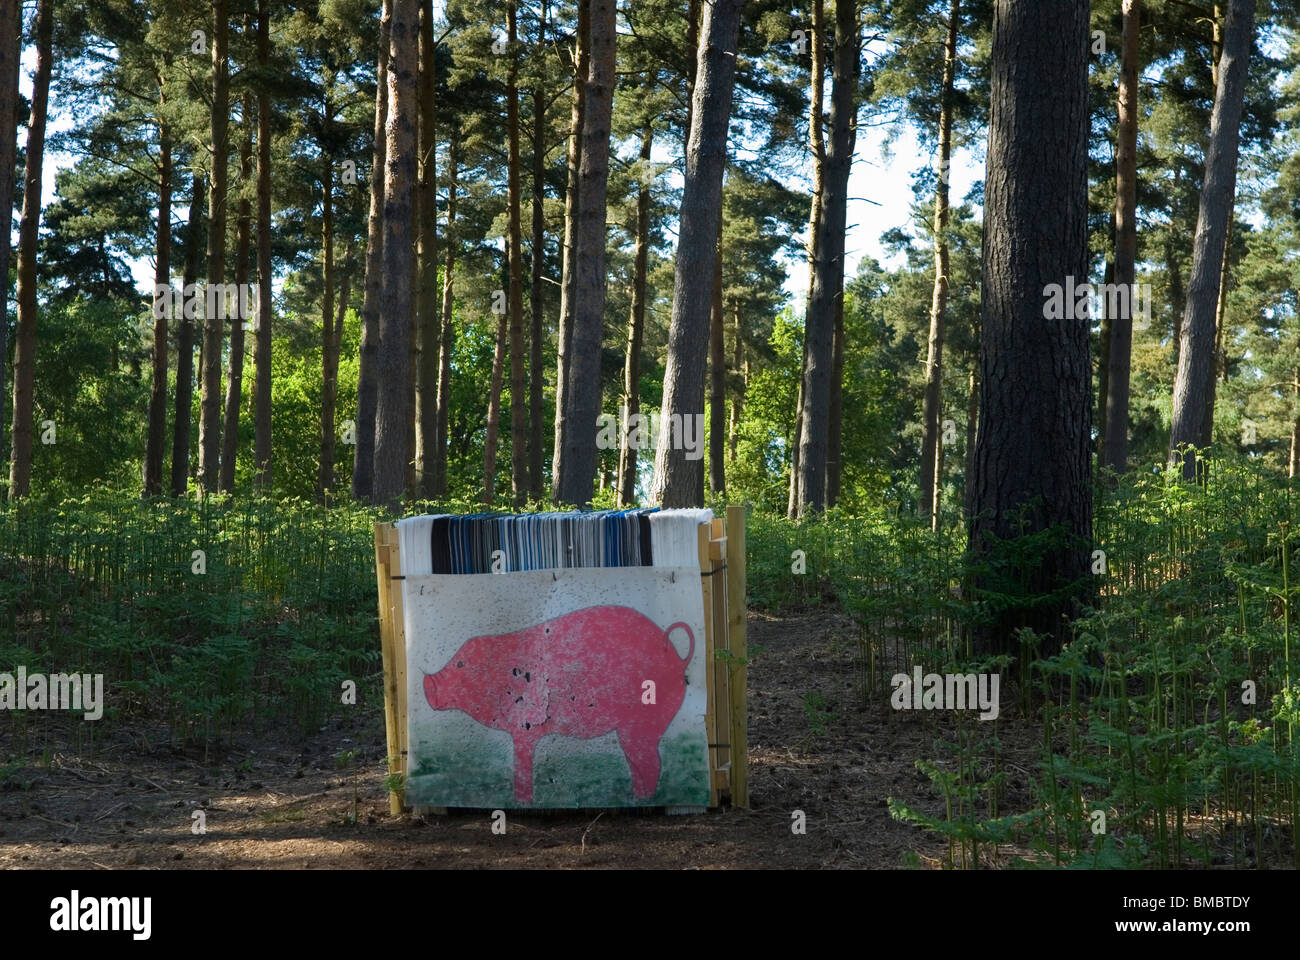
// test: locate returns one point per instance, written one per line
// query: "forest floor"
(277, 802)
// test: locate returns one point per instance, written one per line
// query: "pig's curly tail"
(690, 633)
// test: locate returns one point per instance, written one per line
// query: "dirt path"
(274, 802)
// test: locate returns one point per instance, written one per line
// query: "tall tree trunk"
(627, 467)
(1032, 469)
(426, 374)
(1103, 366)
(494, 412)
(972, 422)
(1121, 326)
(717, 381)
(243, 243)
(363, 454)
(262, 342)
(413, 333)
(738, 398)
(1220, 327)
(157, 437)
(1195, 377)
(185, 343)
(537, 254)
(11, 44)
(577, 446)
(20, 464)
(514, 252)
(676, 478)
(692, 62)
(1294, 461)
(1177, 295)
(329, 361)
(448, 333)
(393, 367)
(568, 267)
(214, 306)
(931, 428)
(828, 276)
(835, 438)
(817, 147)
(792, 500)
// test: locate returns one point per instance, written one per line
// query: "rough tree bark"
(185, 344)
(1032, 464)
(931, 428)
(628, 455)
(1195, 378)
(678, 479)
(243, 243)
(328, 359)
(576, 447)
(429, 325)
(1121, 325)
(363, 469)
(568, 266)
(10, 53)
(515, 264)
(262, 342)
(20, 463)
(214, 305)
(817, 147)
(828, 274)
(717, 380)
(157, 436)
(393, 364)
(537, 254)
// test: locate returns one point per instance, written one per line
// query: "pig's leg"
(524, 747)
(641, 747)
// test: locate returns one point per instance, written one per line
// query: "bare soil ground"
(280, 802)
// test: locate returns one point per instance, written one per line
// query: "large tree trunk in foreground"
(215, 306)
(1032, 465)
(363, 454)
(20, 464)
(393, 362)
(828, 272)
(1121, 325)
(678, 479)
(1195, 380)
(931, 428)
(576, 449)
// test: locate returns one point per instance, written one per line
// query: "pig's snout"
(431, 685)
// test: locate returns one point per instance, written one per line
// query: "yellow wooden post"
(737, 666)
(399, 647)
(382, 574)
(720, 692)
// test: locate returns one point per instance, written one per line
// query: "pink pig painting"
(580, 675)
